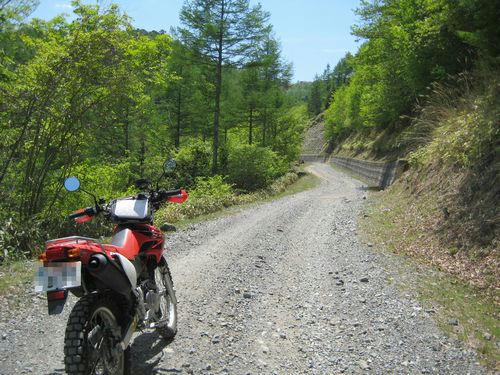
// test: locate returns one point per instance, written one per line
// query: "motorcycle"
(122, 287)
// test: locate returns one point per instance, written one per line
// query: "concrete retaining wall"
(314, 157)
(376, 174)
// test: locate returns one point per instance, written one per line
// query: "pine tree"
(222, 32)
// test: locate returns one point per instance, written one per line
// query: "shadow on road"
(368, 188)
(147, 352)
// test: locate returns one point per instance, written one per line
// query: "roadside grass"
(466, 313)
(397, 222)
(304, 181)
(14, 274)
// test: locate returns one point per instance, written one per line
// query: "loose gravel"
(285, 287)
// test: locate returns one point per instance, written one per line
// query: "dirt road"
(285, 287)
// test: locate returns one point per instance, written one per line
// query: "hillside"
(447, 203)
(314, 137)
(444, 210)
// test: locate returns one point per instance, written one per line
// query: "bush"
(290, 129)
(193, 160)
(212, 194)
(209, 194)
(214, 187)
(252, 167)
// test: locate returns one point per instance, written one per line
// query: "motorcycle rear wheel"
(92, 332)
(167, 324)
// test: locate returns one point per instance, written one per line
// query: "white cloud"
(63, 6)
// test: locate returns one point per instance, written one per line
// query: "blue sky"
(312, 33)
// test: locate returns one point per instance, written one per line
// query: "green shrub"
(214, 186)
(281, 183)
(290, 130)
(209, 194)
(212, 194)
(193, 160)
(252, 167)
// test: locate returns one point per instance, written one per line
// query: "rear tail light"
(59, 294)
(73, 253)
(59, 253)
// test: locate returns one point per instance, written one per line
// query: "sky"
(313, 33)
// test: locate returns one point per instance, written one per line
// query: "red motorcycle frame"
(122, 286)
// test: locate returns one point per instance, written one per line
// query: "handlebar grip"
(171, 193)
(89, 211)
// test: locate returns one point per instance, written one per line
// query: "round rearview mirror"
(169, 166)
(72, 183)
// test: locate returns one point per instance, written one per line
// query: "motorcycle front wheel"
(92, 334)
(167, 323)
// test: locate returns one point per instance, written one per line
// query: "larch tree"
(222, 32)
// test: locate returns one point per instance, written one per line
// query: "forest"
(412, 51)
(98, 98)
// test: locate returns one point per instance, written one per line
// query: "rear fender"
(128, 268)
(114, 271)
(56, 300)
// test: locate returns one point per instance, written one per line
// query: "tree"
(11, 10)
(222, 32)
(183, 98)
(315, 100)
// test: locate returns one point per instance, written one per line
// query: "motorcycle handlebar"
(157, 198)
(89, 211)
(171, 193)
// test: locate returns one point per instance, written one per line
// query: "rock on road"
(285, 287)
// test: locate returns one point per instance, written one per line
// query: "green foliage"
(289, 132)
(95, 98)
(213, 186)
(408, 45)
(252, 167)
(343, 113)
(315, 103)
(328, 83)
(209, 194)
(193, 161)
(299, 93)
(213, 194)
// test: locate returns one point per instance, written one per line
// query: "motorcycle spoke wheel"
(167, 310)
(105, 358)
(92, 333)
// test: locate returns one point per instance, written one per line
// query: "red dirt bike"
(123, 286)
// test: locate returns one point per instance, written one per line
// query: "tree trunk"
(218, 88)
(178, 130)
(264, 128)
(250, 129)
(179, 106)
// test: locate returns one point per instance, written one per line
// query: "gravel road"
(285, 287)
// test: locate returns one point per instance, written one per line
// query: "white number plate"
(58, 276)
